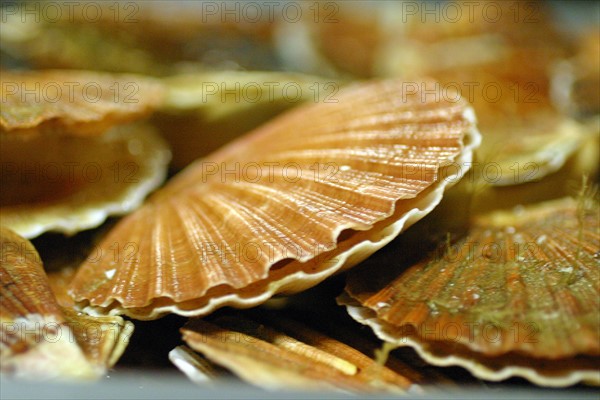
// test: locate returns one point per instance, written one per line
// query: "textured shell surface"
(39, 338)
(73, 102)
(543, 372)
(518, 294)
(274, 351)
(76, 183)
(313, 191)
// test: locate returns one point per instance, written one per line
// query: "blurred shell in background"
(78, 103)
(203, 111)
(75, 183)
(271, 350)
(148, 37)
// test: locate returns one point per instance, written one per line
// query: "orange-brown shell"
(279, 210)
(524, 137)
(522, 284)
(73, 102)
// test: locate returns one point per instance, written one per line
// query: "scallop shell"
(203, 111)
(364, 168)
(76, 183)
(140, 37)
(340, 39)
(275, 352)
(41, 340)
(426, 44)
(519, 295)
(524, 137)
(74, 102)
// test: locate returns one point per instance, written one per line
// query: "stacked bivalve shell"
(39, 339)
(516, 295)
(69, 158)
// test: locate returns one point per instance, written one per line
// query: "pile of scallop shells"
(281, 186)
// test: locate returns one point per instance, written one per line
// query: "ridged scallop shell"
(519, 295)
(38, 338)
(273, 351)
(524, 137)
(203, 111)
(76, 183)
(75, 102)
(365, 167)
(527, 149)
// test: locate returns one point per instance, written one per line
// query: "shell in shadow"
(313, 191)
(142, 38)
(518, 295)
(76, 183)
(271, 350)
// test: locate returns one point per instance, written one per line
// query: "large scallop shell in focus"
(313, 191)
(76, 183)
(74, 102)
(38, 338)
(519, 295)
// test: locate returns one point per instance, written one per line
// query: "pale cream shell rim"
(549, 158)
(183, 358)
(367, 317)
(127, 201)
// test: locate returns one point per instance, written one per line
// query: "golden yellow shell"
(273, 351)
